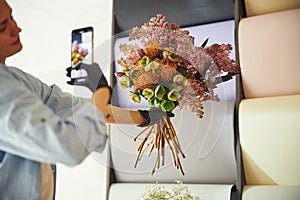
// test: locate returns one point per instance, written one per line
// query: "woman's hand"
(90, 76)
(152, 115)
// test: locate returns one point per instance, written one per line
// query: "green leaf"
(167, 106)
(148, 93)
(151, 66)
(154, 102)
(173, 95)
(145, 61)
(173, 57)
(135, 98)
(133, 73)
(124, 82)
(159, 92)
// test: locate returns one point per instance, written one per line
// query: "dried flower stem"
(163, 133)
(140, 133)
(140, 147)
(175, 137)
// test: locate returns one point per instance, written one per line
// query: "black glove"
(152, 115)
(87, 75)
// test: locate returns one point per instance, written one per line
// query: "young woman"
(41, 125)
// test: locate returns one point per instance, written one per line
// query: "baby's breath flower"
(155, 192)
(159, 192)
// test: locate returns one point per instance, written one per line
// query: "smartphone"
(81, 49)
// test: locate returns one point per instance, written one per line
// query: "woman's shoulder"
(18, 74)
(15, 70)
(10, 70)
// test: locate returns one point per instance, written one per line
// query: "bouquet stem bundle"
(157, 136)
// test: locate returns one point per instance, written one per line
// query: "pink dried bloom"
(166, 72)
(143, 79)
(220, 53)
(132, 55)
(120, 74)
(84, 52)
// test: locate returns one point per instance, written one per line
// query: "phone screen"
(82, 49)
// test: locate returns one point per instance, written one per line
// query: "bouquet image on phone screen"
(81, 50)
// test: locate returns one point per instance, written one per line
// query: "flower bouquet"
(168, 71)
(78, 54)
(159, 192)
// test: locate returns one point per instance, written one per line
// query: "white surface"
(85, 181)
(221, 32)
(205, 192)
(271, 192)
(208, 144)
(46, 38)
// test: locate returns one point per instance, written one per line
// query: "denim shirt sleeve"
(44, 124)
